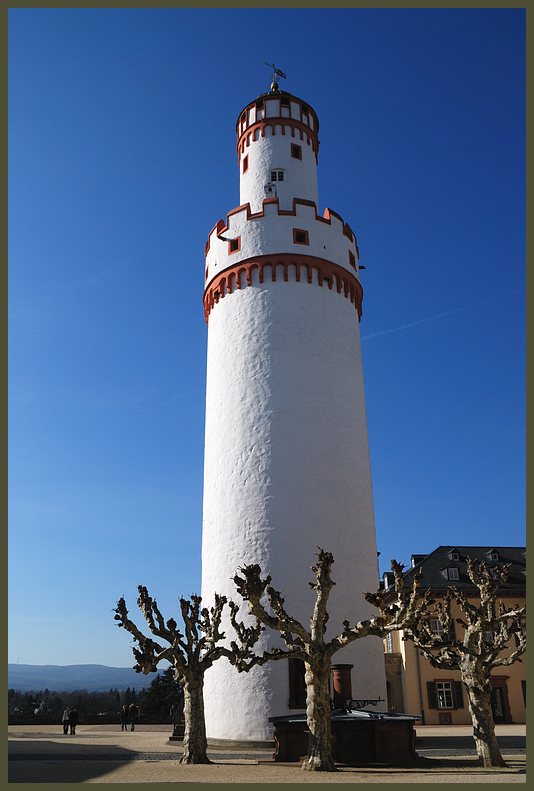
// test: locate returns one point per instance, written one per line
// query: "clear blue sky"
(122, 159)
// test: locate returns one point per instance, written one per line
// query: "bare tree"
(311, 646)
(488, 628)
(190, 654)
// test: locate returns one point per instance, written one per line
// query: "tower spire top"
(274, 84)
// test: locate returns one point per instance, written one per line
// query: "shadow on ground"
(61, 766)
(465, 745)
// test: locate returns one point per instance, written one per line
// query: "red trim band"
(230, 278)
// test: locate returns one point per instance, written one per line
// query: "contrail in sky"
(438, 316)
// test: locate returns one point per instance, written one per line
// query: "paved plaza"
(104, 754)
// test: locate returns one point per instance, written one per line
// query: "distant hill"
(65, 678)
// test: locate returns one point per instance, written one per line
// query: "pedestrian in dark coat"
(134, 714)
(73, 720)
(124, 718)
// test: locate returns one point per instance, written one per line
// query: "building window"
(494, 556)
(455, 556)
(445, 694)
(436, 627)
(296, 151)
(452, 573)
(390, 643)
(245, 164)
(277, 175)
(352, 259)
(300, 237)
(234, 245)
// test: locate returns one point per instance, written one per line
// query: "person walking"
(73, 720)
(134, 714)
(124, 718)
(65, 720)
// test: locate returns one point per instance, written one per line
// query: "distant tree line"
(154, 701)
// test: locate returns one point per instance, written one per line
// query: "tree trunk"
(318, 715)
(488, 750)
(195, 742)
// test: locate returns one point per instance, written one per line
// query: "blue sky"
(122, 159)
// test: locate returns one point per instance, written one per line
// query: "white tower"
(286, 450)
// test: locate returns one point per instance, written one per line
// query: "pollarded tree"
(190, 654)
(488, 628)
(311, 646)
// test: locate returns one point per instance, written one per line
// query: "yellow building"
(413, 685)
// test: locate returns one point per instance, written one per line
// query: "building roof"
(435, 567)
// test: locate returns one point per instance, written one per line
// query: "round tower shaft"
(287, 464)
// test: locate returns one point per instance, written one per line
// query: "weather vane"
(276, 71)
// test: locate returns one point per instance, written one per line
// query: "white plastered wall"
(273, 151)
(286, 468)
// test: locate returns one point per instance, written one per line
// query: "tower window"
(277, 175)
(296, 151)
(245, 164)
(300, 237)
(234, 245)
(352, 259)
(297, 684)
(284, 101)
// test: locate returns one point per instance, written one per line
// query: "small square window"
(245, 164)
(277, 175)
(494, 556)
(234, 245)
(455, 556)
(300, 237)
(296, 151)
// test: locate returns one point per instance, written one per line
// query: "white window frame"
(445, 693)
(452, 573)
